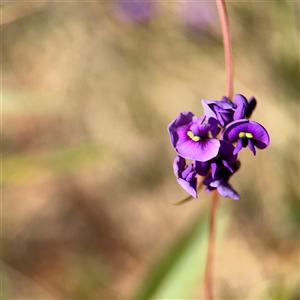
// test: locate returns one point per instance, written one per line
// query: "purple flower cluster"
(213, 142)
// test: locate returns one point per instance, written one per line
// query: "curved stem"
(227, 47)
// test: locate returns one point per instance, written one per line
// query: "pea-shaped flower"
(225, 111)
(190, 137)
(186, 175)
(246, 133)
(224, 159)
(220, 182)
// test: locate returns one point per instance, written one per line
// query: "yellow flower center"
(193, 137)
(246, 134)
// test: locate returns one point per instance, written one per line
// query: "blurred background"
(88, 91)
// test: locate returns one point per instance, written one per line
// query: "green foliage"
(179, 272)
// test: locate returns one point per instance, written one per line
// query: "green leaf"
(180, 270)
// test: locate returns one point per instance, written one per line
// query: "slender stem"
(227, 47)
(208, 281)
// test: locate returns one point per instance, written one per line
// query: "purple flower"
(219, 110)
(198, 15)
(225, 111)
(189, 137)
(246, 133)
(186, 176)
(133, 10)
(224, 159)
(220, 182)
(244, 108)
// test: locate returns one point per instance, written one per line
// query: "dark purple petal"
(190, 187)
(226, 190)
(202, 150)
(224, 116)
(210, 106)
(251, 146)
(226, 152)
(227, 165)
(251, 107)
(219, 110)
(238, 147)
(241, 106)
(202, 168)
(208, 180)
(214, 167)
(215, 130)
(261, 137)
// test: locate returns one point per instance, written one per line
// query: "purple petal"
(224, 116)
(260, 138)
(251, 146)
(214, 167)
(225, 99)
(241, 102)
(133, 11)
(187, 171)
(251, 107)
(191, 176)
(238, 147)
(205, 128)
(209, 113)
(202, 168)
(185, 120)
(215, 183)
(227, 166)
(202, 150)
(216, 130)
(178, 165)
(226, 151)
(226, 190)
(232, 130)
(208, 180)
(181, 135)
(189, 187)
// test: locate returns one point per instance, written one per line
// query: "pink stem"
(227, 47)
(208, 280)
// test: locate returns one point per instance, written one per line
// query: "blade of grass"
(176, 274)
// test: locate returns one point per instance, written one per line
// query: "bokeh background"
(88, 90)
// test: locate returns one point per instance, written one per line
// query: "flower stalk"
(208, 281)
(227, 47)
(213, 142)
